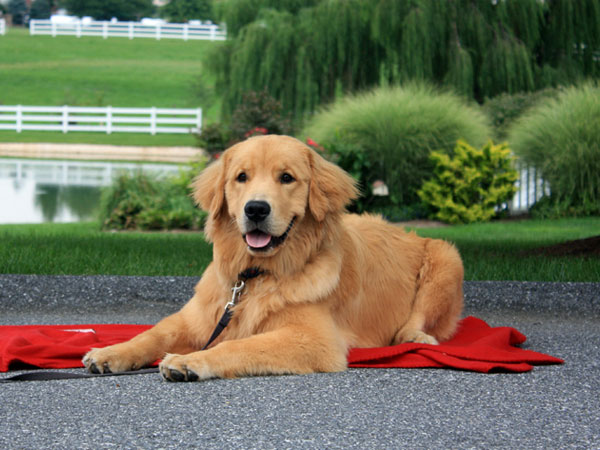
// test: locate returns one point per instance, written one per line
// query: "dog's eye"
(286, 178)
(242, 177)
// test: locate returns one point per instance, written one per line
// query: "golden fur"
(338, 280)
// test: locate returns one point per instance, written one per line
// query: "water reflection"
(36, 191)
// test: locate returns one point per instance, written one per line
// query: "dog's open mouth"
(260, 241)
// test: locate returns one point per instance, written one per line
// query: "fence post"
(65, 119)
(158, 31)
(199, 120)
(130, 30)
(19, 119)
(185, 32)
(153, 120)
(78, 28)
(108, 119)
(213, 32)
(31, 27)
(53, 29)
(104, 29)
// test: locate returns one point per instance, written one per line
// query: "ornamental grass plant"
(561, 138)
(397, 127)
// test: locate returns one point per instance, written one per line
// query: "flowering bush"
(258, 111)
(256, 131)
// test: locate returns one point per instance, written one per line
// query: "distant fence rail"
(531, 188)
(100, 119)
(2, 26)
(129, 30)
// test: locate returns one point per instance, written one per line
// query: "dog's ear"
(209, 188)
(331, 188)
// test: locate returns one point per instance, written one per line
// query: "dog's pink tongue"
(258, 239)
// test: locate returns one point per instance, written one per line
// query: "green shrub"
(504, 109)
(215, 138)
(180, 11)
(150, 202)
(397, 128)
(561, 138)
(470, 186)
(258, 110)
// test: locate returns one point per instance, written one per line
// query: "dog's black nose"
(257, 211)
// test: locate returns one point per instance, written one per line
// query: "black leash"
(237, 289)
(47, 376)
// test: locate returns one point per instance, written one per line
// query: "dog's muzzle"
(259, 239)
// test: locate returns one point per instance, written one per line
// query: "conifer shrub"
(471, 185)
(392, 131)
(561, 139)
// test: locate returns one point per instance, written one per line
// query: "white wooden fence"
(2, 26)
(100, 119)
(531, 188)
(129, 30)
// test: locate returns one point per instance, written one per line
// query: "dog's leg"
(182, 332)
(439, 298)
(293, 348)
(142, 350)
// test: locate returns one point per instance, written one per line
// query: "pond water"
(38, 191)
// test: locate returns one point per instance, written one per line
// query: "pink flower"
(256, 131)
(313, 144)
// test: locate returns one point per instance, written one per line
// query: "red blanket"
(476, 346)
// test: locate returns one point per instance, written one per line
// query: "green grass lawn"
(490, 251)
(82, 249)
(91, 71)
(494, 251)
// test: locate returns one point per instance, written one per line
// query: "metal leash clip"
(237, 289)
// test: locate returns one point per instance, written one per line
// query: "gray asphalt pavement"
(551, 407)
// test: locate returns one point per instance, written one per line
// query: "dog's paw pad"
(192, 376)
(176, 375)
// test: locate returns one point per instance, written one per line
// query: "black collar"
(249, 273)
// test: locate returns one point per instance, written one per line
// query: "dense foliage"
(18, 10)
(146, 202)
(307, 53)
(107, 9)
(504, 109)
(260, 112)
(387, 134)
(40, 9)
(561, 138)
(181, 11)
(472, 185)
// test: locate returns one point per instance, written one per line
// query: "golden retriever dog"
(326, 280)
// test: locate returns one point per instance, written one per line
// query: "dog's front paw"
(184, 368)
(414, 336)
(110, 360)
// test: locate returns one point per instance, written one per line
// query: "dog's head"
(268, 185)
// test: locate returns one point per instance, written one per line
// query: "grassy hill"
(91, 71)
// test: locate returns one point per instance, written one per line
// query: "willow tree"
(306, 53)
